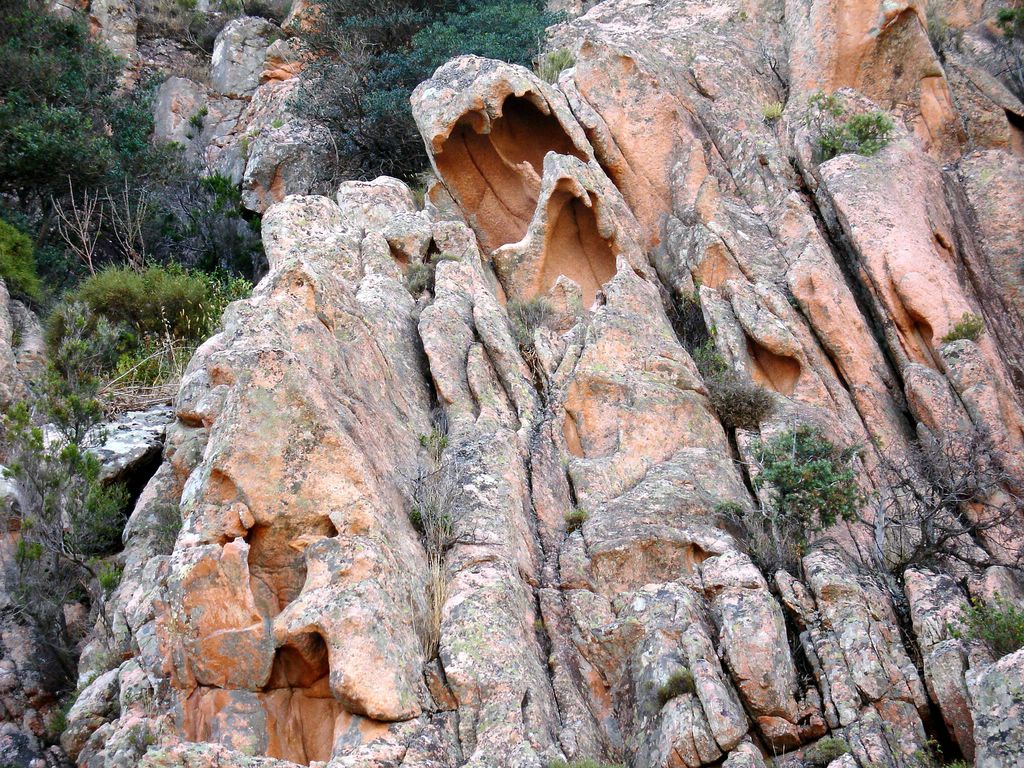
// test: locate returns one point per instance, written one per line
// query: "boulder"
(239, 54)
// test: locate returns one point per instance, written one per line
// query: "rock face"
(488, 524)
(21, 347)
(238, 120)
(238, 56)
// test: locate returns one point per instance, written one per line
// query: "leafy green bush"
(679, 683)
(584, 762)
(824, 751)
(998, 625)
(864, 133)
(17, 265)
(575, 518)
(160, 300)
(367, 59)
(808, 484)
(67, 517)
(810, 480)
(969, 326)
(56, 100)
(109, 576)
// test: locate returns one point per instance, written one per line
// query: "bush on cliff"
(998, 625)
(739, 402)
(865, 133)
(141, 327)
(68, 519)
(969, 327)
(805, 484)
(367, 59)
(17, 264)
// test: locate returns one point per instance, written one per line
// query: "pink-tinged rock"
(487, 126)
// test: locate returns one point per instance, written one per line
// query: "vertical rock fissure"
(845, 258)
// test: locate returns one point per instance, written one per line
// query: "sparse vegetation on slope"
(368, 57)
(998, 625)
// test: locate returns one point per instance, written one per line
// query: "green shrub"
(548, 66)
(679, 683)
(67, 517)
(998, 625)
(865, 133)
(811, 480)
(367, 59)
(435, 443)
(17, 265)
(808, 484)
(773, 111)
(526, 317)
(575, 518)
(584, 762)
(824, 751)
(969, 326)
(160, 300)
(109, 576)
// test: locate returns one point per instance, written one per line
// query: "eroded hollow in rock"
(574, 247)
(277, 570)
(777, 372)
(301, 712)
(496, 175)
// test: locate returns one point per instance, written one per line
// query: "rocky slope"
(374, 566)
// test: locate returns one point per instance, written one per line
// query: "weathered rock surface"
(486, 525)
(239, 54)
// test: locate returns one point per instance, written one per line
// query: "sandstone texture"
(419, 530)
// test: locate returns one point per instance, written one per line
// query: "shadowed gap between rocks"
(301, 711)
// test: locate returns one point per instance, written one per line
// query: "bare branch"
(79, 224)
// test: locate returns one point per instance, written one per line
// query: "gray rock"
(238, 56)
(997, 692)
(132, 442)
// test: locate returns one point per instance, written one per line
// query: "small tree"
(939, 497)
(806, 484)
(67, 518)
(865, 133)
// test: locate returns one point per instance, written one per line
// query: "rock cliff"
(420, 529)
